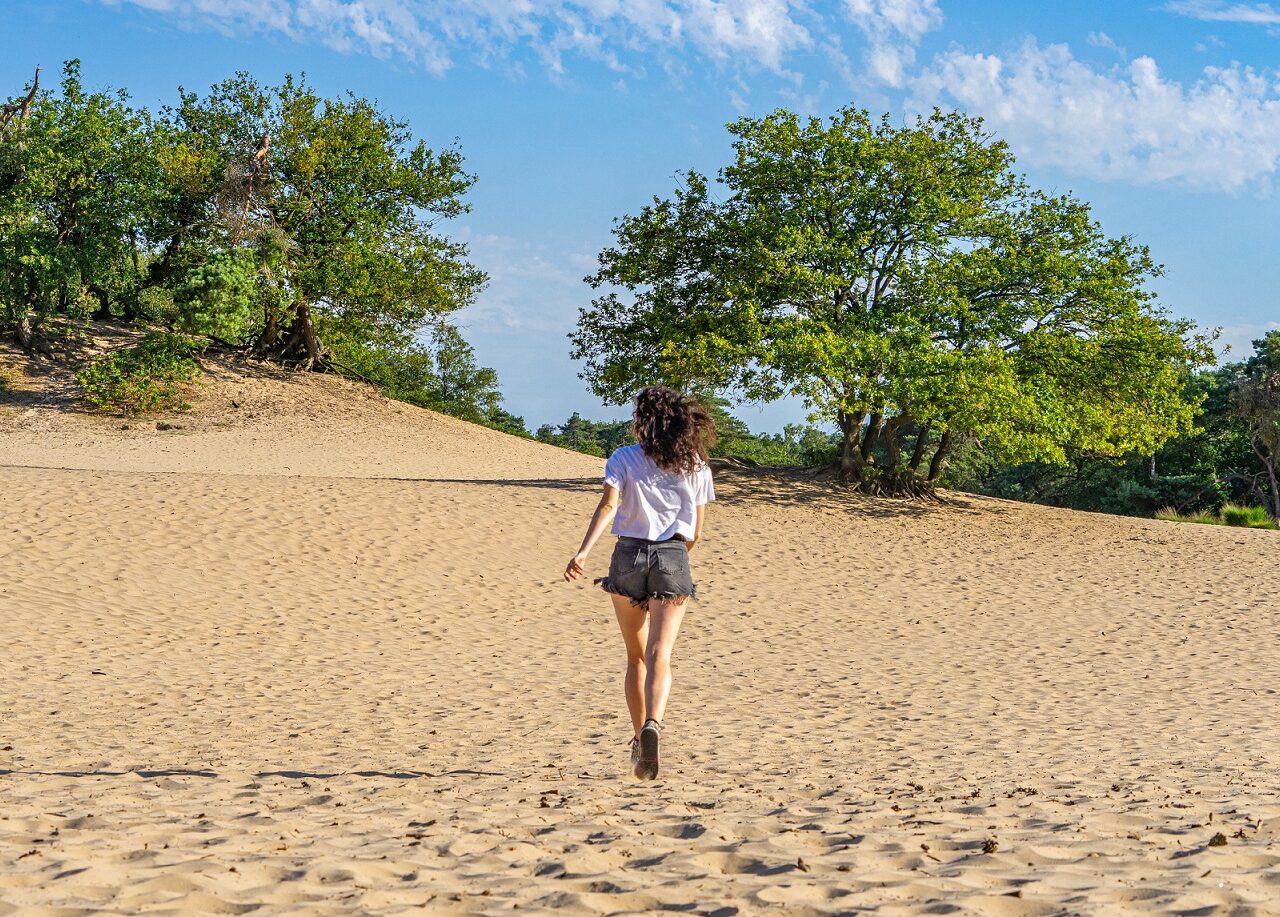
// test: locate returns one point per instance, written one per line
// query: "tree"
(1255, 403)
(591, 437)
(79, 183)
(907, 285)
(335, 199)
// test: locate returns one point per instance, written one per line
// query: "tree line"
(943, 320)
(293, 227)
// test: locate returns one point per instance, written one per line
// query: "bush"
(1249, 517)
(1172, 515)
(142, 378)
(216, 298)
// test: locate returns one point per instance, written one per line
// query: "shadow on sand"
(767, 487)
(211, 774)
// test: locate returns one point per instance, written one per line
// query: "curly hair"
(673, 429)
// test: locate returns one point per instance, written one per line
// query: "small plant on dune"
(1249, 517)
(1168, 514)
(142, 378)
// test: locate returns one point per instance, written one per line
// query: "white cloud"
(1106, 42)
(1236, 342)
(754, 33)
(531, 286)
(893, 29)
(1217, 11)
(1128, 123)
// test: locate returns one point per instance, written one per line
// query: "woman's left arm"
(600, 520)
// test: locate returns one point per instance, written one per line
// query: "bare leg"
(634, 624)
(665, 616)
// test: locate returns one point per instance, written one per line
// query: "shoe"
(647, 765)
(635, 752)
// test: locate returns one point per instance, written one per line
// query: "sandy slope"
(319, 659)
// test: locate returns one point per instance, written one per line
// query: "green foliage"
(897, 279)
(1171, 515)
(143, 378)
(81, 184)
(1224, 458)
(797, 444)
(1254, 404)
(599, 438)
(1249, 517)
(216, 298)
(439, 373)
(340, 211)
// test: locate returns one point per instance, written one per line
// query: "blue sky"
(1165, 115)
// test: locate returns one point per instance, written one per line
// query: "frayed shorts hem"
(643, 601)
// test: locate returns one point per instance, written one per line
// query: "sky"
(1163, 115)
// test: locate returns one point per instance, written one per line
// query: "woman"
(655, 493)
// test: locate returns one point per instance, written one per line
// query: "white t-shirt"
(655, 504)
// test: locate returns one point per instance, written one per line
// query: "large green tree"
(333, 200)
(907, 284)
(77, 187)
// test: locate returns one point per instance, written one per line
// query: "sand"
(312, 653)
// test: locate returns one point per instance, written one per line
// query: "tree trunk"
(103, 312)
(1269, 463)
(270, 332)
(303, 340)
(922, 440)
(939, 459)
(300, 346)
(870, 438)
(893, 449)
(850, 458)
(25, 331)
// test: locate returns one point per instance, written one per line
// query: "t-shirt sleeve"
(705, 491)
(613, 472)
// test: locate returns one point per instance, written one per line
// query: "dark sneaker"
(647, 765)
(635, 752)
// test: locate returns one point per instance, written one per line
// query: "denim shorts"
(643, 570)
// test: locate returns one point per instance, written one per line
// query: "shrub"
(142, 378)
(1172, 515)
(1249, 517)
(216, 298)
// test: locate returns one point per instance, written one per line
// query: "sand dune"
(311, 653)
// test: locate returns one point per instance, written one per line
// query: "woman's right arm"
(697, 527)
(605, 511)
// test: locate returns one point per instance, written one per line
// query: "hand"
(689, 543)
(573, 569)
